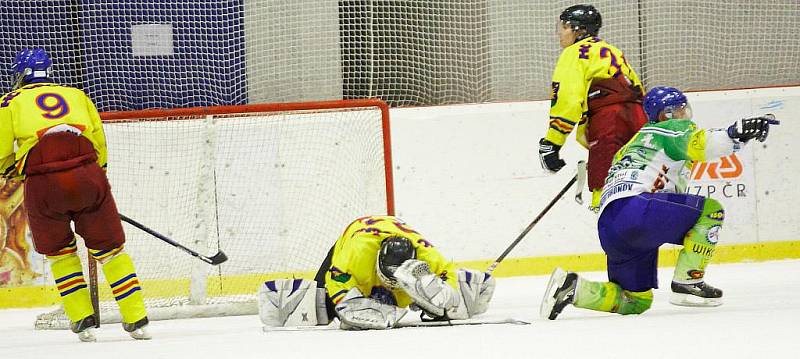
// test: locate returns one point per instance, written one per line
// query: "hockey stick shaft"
(93, 289)
(532, 224)
(218, 258)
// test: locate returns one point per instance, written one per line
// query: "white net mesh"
(137, 54)
(273, 190)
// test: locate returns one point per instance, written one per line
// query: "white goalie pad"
(428, 291)
(288, 303)
(358, 312)
(477, 289)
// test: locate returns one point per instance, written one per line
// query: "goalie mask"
(394, 251)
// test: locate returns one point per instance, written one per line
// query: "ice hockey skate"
(695, 295)
(560, 292)
(138, 330)
(85, 329)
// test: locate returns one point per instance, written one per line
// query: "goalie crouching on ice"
(379, 267)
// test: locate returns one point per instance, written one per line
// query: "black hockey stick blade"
(213, 260)
(216, 259)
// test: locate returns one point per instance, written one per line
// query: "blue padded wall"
(91, 46)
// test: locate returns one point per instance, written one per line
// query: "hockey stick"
(452, 323)
(213, 260)
(93, 294)
(580, 177)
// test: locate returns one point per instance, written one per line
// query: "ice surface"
(760, 319)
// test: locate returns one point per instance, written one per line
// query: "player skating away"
(61, 152)
(375, 270)
(644, 205)
(594, 88)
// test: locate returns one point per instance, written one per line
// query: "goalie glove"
(356, 312)
(476, 289)
(747, 129)
(428, 291)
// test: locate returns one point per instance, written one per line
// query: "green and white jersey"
(659, 158)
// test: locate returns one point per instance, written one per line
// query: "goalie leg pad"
(476, 289)
(357, 312)
(288, 303)
(428, 291)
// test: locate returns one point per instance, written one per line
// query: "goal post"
(272, 185)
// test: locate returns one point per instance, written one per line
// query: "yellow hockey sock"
(125, 288)
(68, 273)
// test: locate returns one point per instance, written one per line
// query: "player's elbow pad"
(718, 144)
(357, 312)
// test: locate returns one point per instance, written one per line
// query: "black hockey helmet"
(394, 251)
(582, 17)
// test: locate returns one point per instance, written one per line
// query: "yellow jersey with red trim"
(27, 113)
(354, 260)
(580, 64)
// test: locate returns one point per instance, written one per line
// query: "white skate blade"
(141, 334)
(87, 335)
(688, 300)
(548, 301)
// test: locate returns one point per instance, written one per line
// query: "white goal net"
(273, 186)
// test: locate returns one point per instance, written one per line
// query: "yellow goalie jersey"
(355, 256)
(579, 65)
(28, 112)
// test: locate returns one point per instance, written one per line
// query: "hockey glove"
(548, 156)
(747, 129)
(358, 312)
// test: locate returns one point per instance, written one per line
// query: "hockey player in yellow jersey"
(61, 153)
(595, 89)
(378, 267)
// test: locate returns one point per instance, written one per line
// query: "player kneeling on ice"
(644, 205)
(379, 267)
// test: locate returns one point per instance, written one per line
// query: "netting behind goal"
(136, 54)
(273, 186)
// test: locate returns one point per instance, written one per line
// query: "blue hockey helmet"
(667, 100)
(30, 65)
(582, 17)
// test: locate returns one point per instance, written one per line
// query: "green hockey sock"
(699, 243)
(610, 297)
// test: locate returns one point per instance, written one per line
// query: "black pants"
(320, 279)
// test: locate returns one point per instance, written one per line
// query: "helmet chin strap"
(17, 81)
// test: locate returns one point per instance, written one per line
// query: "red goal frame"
(132, 116)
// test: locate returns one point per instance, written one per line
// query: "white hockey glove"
(356, 312)
(428, 291)
(288, 302)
